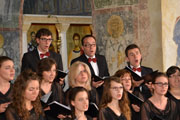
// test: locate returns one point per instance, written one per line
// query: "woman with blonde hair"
(114, 104)
(80, 76)
(26, 100)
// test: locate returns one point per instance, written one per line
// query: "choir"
(37, 93)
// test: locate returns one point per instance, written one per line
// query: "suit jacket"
(31, 59)
(101, 62)
(145, 90)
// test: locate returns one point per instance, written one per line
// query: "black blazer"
(101, 62)
(31, 59)
(145, 90)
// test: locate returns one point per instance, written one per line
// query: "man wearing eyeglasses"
(44, 40)
(97, 63)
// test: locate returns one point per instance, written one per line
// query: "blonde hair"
(74, 71)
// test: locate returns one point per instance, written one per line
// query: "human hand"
(97, 84)
(136, 108)
(137, 83)
(60, 116)
(47, 108)
(61, 81)
(4, 106)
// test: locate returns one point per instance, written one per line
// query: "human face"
(160, 86)
(89, 46)
(7, 70)
(174, 80)
(76, 41)
(134, 57)
(31, 91)
(44, 43)
(82, 77)
(126, 81)
(116, 90)
(49, 76)
(81, 102)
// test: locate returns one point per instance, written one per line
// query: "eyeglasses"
(117, 88)
(45, 39)
(160, 84)
(90, 45)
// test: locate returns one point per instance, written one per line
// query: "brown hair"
(3, 59)
(45, 64)
(74, 72)
(131, 46)
(19, 88)
(72, 95)
(120, 73)
(107, 98)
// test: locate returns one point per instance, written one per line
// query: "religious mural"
(74, 36)
(57, 7)
(116, 28)
(176, 38)
(9, 46)
(99, 4)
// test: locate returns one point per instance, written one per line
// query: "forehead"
(134, 50)
(7, 62)
(161, 79)
(33, 83)
(113, 83)
(46, 36)
(89, 40)
(81, 94)
(126, 75)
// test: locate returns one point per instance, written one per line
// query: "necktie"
(45, 54)
(136, 69)
(92, 59)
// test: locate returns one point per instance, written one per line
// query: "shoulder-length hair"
(120, 73)
(107, 98)
(74, 71)
(19, 88)
(45, 64)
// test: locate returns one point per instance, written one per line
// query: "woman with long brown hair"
(26, 101)
(114, 104)
(46, 70)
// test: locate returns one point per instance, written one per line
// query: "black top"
(136, 115)
(170, 96)
(108, 114)
(8, 97)
(11, 114)
(57, 95)
(88, 118)
(149, 111)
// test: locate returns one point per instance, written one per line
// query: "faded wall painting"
(74, 36)
(116, 28)
(31, 36)
(176, 38)
(57, 7)
(9, 46)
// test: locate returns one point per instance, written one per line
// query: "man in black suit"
(133, 56)
(96, 63)
(30, 59)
